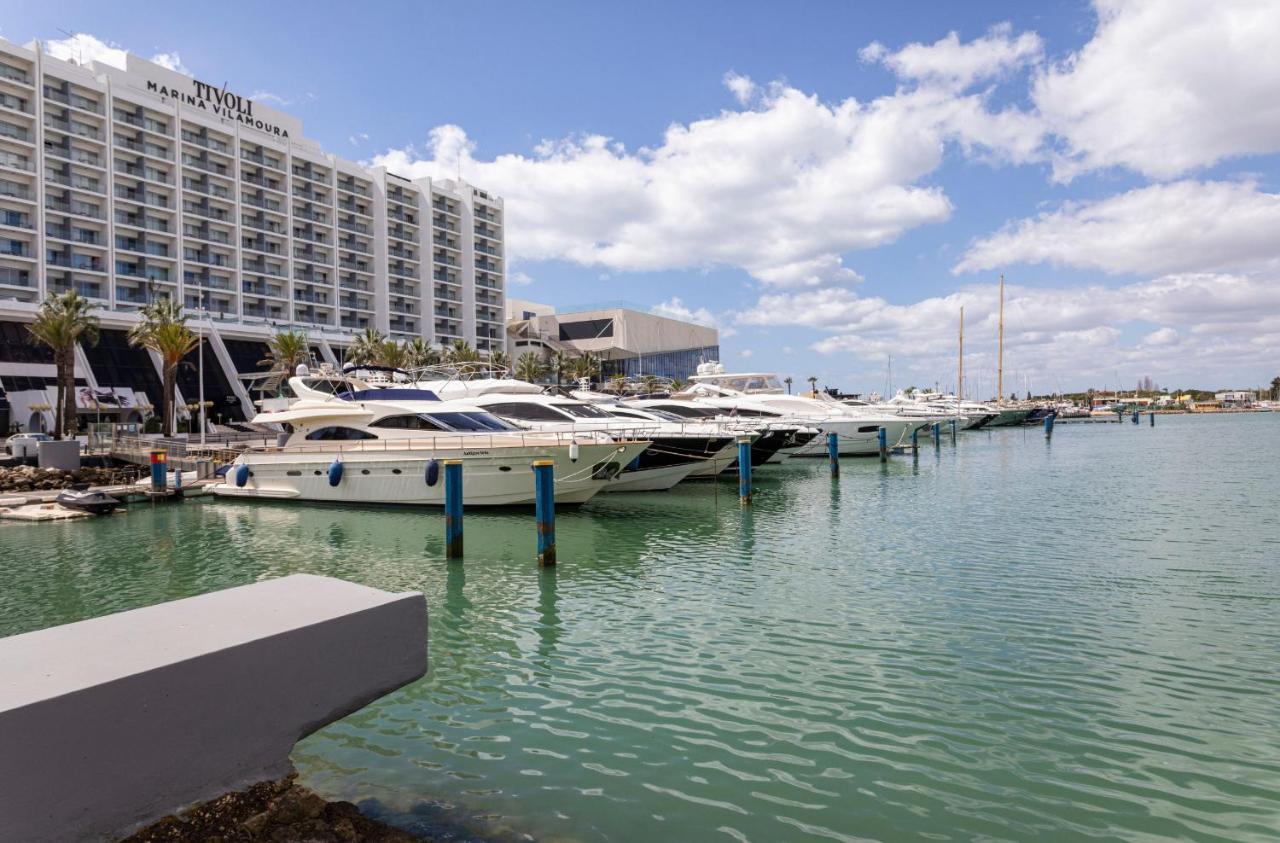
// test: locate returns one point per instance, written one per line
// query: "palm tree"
(289, 349)
(61, 322)
(391, 354)
(499, 360)
(365, 347)
(561, 362)
(587, 366)
(163, 329)
(1275, 389)
(529, 367)
(813, 384)
(460, 351)
(787, 380)
(418, 352)
(650, 383)
(617, 384)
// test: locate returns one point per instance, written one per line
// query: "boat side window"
(339, 434)
(626, 414)
(322, 385)
(743, 411)
(582, 411)
(687, 412)
(470, 422)
(408, 422)
(526, 412)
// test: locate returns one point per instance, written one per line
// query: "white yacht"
(760, 394)
(350, 441)
(777, 439)
(677, 449)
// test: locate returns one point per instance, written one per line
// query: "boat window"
(688, 412)
(340, 434)
(745, 411)
(407, 422)
(526, 412)
(628, 414)
(323, 385)
(582, 411)
(471, 422)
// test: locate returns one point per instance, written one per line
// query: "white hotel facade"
(128, 184)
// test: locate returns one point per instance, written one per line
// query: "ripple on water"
(1005, 639)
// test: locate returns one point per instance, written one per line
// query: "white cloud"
(83, 48)
(780, 189)
(358, 138)
(1186, 226)
(1071, 335)
(950, 63)
(742, 88)
(675, 308)
(1167, 86)
(282, 101)
(172, 61)
(520, 279)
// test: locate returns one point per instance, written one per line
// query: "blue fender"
(433, 472)
(335, 472)
(242, 475)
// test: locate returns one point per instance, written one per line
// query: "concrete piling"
(545, 510)
(453, 509)
(833, 453)
(744, 470)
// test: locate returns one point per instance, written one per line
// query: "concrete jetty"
(112, 723)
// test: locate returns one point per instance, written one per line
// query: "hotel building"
(128, 184)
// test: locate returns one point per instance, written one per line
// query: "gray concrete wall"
(64, 455)
(112, 723)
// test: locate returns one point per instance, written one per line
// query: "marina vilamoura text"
(310, 531)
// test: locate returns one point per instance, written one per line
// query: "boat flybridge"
(761, 393)
(351, 440)
(678, 449)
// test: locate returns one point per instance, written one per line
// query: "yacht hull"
(491, 477)
(858, 438)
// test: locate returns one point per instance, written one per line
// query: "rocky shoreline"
(275, 811)
(27, 478)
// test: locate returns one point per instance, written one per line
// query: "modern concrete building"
(629, 340)
(129, 184)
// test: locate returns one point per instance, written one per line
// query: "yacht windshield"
(685, 411)
(472, 421)
(582, 411)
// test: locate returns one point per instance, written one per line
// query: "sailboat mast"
(960, 367)
(1000, 357)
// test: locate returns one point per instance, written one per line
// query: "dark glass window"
(339, 434)
(469, 422)
(587, 329)
(582, 411)
(526, 412)
(407, 423)
(687, 411)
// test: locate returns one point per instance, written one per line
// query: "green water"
(1007, 639)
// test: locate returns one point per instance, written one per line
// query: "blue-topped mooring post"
(937, 435)
(544, 500)
(1048, 425)
(1135, 416)
(744, 470)
(883, 438)
(453, 509)
(1153, 418)
(915, 440)
(953, 429)
(833, 453)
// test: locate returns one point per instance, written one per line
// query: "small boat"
(80, 498)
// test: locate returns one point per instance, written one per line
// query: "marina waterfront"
(1004, 638)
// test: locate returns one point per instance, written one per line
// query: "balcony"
(74, 261)
(14, 74)
(10, 277)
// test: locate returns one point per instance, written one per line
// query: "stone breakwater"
(26, 478)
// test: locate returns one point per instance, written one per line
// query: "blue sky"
(841, 178)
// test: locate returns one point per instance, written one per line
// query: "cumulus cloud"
(675, 308)
(1185, 226)
(742, 88)
(1071, 333)
(955, 64)
(781, 189)
(83, 48)
(1165, 87)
